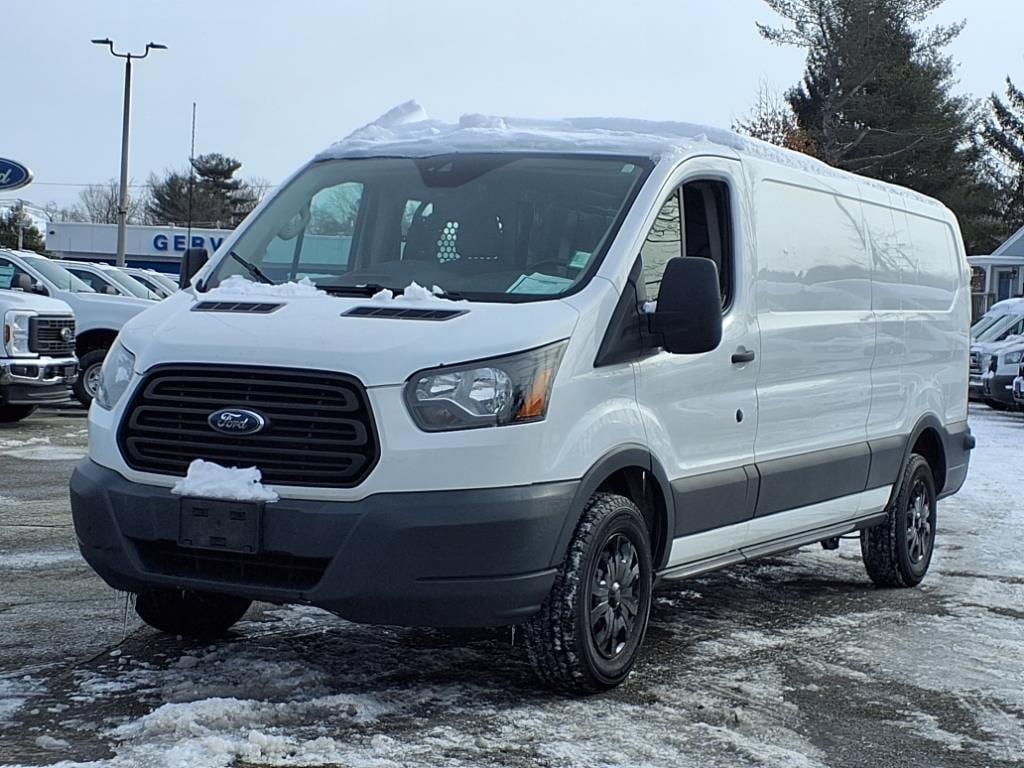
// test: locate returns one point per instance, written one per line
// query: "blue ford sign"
(236, 421)
(13, 175)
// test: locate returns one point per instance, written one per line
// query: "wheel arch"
(95, 338)
(631, 471)
(927, 440)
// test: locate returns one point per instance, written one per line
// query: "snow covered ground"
(791, 661)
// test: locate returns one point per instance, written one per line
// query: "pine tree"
(876, 100)
(10, 222)
(1004, 133)
(218, 198)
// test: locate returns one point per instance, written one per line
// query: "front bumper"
(998, 388)
(433, 558)
(37, 380)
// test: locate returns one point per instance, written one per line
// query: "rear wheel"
(12, 413)
(897, 553)
(588, 633)
(190, 613)
(89, 375)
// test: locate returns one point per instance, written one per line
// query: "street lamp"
(122, 206)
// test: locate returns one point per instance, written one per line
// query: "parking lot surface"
(789, 661)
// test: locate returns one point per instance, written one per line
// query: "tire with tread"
(559, 639)
(189, 613)
(87, 361)
(885, 548)
(12, 413)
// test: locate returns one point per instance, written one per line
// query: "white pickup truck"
(37, 359)
(99, 317)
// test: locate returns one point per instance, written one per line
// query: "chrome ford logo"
(236, 421)
(66, 334)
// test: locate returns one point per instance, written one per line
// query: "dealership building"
(159, 248)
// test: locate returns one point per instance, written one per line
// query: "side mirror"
(110, 290)
(689, 313)
(192, 262)
(23, 282)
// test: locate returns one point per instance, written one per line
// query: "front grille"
(46, 335)
(319, 429)
(270, 569)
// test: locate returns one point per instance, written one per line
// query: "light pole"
(122, 205)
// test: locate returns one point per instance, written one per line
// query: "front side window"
(496, 227)
(56, 274)
(9, 274)
(693, 222)
(95, 282)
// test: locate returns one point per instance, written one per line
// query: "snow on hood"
(209, 480)
(237, 287)
(407, 131)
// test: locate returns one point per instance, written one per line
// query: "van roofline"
(406, 131)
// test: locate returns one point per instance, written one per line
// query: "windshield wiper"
(252, 269)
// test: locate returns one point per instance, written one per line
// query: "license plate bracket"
(220, 525)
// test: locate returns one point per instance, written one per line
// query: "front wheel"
(897, 552)
(12, 413)
(88, 375)
(190, 613)
(588, 633)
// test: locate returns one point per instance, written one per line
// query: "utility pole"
(122, 205)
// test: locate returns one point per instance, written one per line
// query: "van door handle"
(742, 355)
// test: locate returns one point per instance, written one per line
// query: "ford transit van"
(520, 372)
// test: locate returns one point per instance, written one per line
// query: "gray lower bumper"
(445, 558)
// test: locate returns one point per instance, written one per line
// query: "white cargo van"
(625, 352)
(99, 317)
(37, 358)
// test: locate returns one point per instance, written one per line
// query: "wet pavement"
(789, 661)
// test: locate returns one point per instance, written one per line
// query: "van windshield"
(490, 227)
(56, 274)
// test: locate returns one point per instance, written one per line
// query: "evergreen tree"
(218, 198)
(876, 100)
(11, 221)
(1004, 133)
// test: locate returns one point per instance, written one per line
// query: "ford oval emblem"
(236, 421)
(67, 334)
(13, 175)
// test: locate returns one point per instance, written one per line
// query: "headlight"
(114, 376)
(1013, 358)
(487, 393)
(16, 333)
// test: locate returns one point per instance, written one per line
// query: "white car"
(1003, 362)
(98, 317)
(37, 350)
(104, 278)
(504, 372)
(160, 285)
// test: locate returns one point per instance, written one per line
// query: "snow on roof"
(406, 131)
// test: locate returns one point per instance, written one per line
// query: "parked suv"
(517, 373)
(37, 361)
(98, 317)
(1006, 328)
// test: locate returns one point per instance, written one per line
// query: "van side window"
(701, 230)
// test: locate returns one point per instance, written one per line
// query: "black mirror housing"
(191, 262)
(689, 313)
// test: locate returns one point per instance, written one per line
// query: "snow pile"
(209, 480)
(236, 287)
(413, 293)
(406, 131)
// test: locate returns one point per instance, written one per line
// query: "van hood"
(34, 302)
(315, 333)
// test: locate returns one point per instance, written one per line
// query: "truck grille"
(318, 431)
(46, 335)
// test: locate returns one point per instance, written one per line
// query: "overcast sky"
(275, 81)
